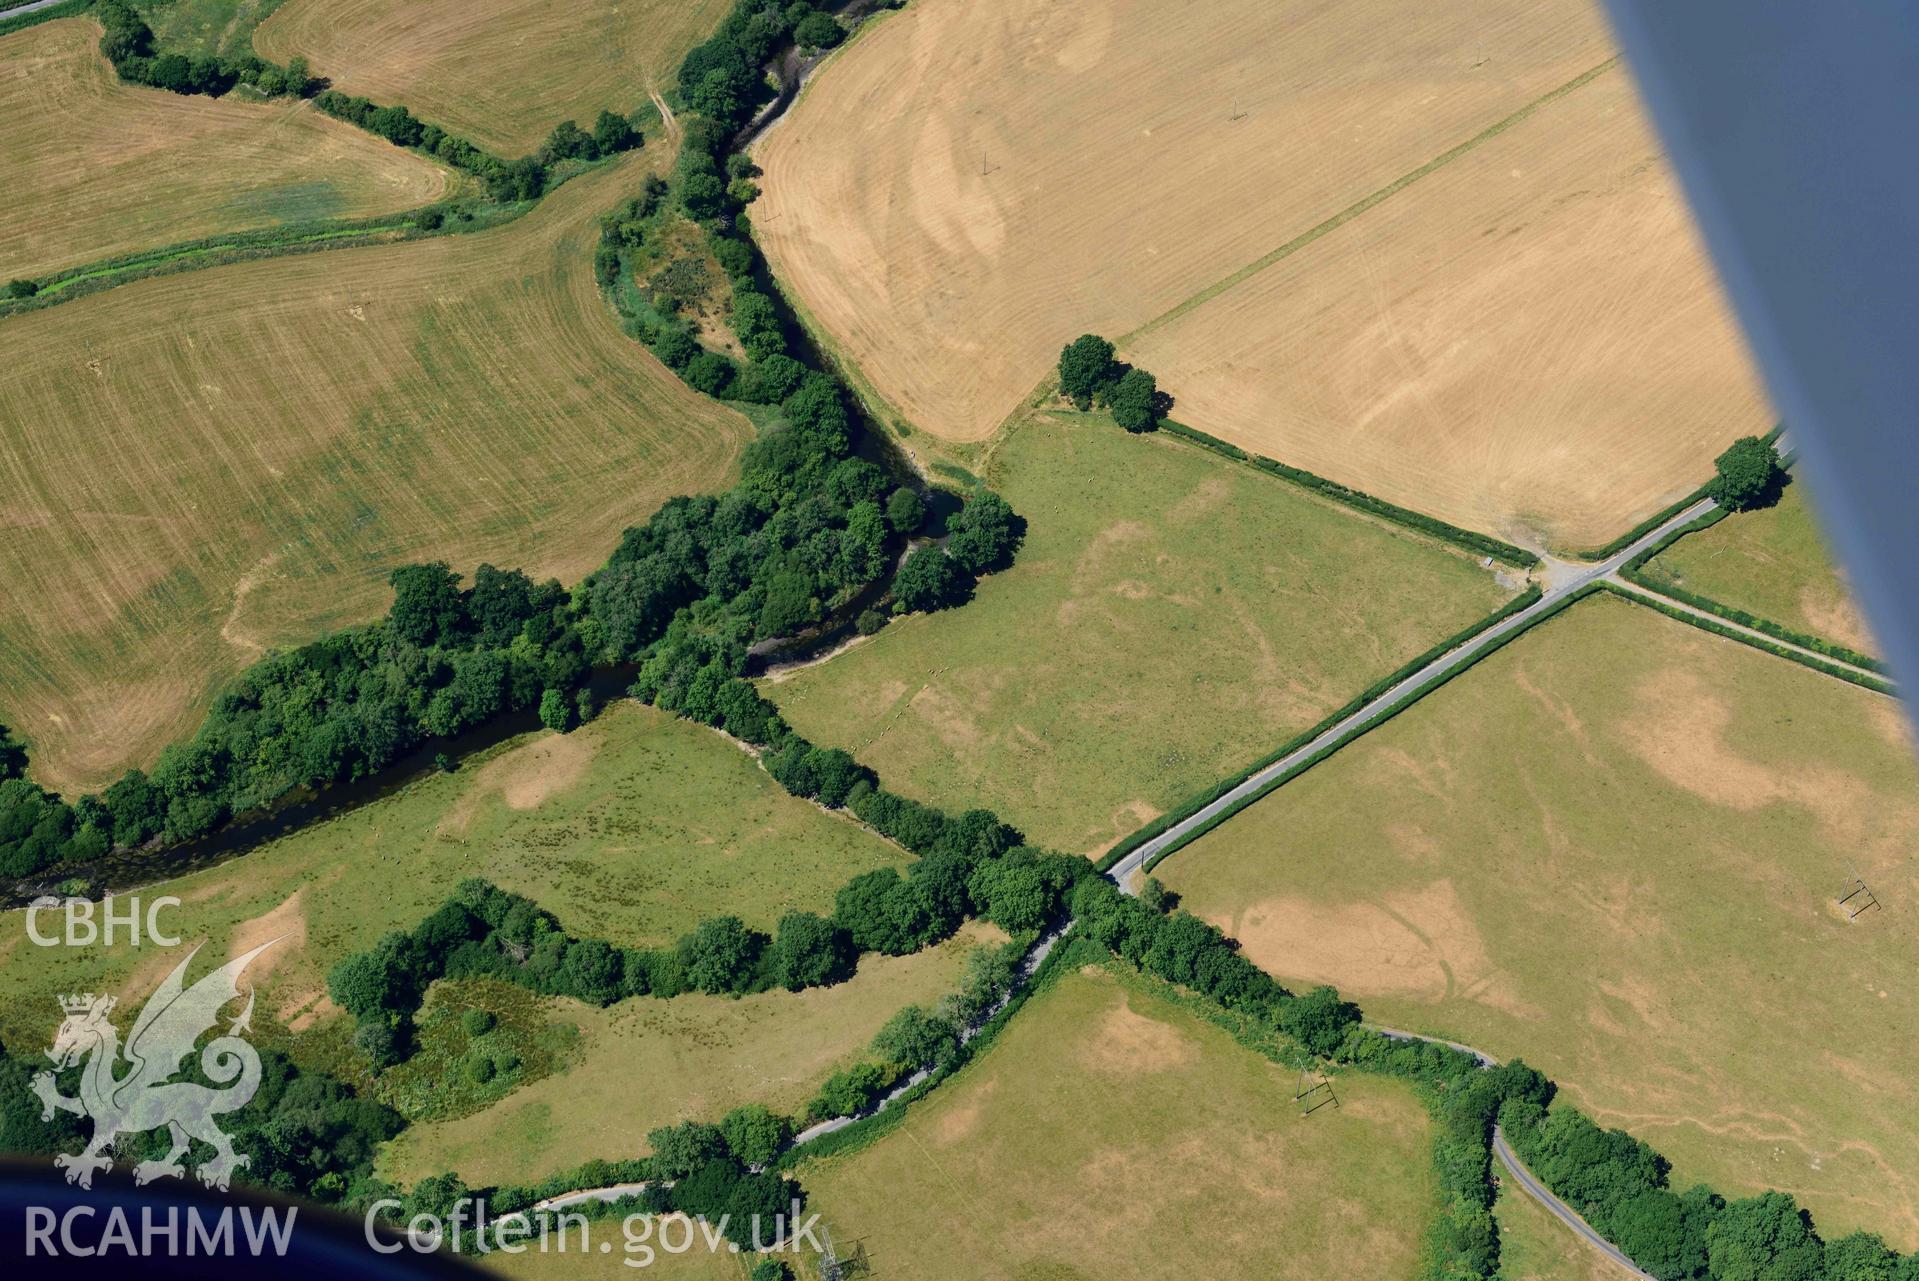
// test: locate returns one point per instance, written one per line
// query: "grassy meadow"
(1171, 618)
(643, 1063)
(200, 467)
(1615, 848)
(633, 828)
(162, 168)
(1108, 1132)
(1772, 562)
(206, 26)
(501, 73)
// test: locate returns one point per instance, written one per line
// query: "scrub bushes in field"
(129, 45)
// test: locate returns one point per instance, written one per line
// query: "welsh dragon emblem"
(131, 1090)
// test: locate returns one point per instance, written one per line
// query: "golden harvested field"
(161, 168)
(501, 73)
(1615, 848)
(1111, 1133)
(1530, 341)
(1117, 182)
(200, 466)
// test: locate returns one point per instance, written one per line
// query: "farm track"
(1653, 595)
(1528, 1183)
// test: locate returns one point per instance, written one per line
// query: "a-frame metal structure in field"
(835, 1268)
(1857, 899)
(1314, 1091)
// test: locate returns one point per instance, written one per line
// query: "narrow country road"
(1029, 965)
(19, 9)
(1558, 579)
(1559, 1209)
(1531, 1186)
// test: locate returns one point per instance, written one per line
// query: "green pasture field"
(1772, 562)
(1107, 1132)
(642, 1064)
(1616, 848)
(1171, 617)
(632, 828)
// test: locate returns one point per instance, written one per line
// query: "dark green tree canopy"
(1134, 400)
(1085, 369)
(1746, 475)
(928, 580)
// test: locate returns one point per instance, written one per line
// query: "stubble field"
(202, 466)
(974, 182)
(1615, 848)
(1111, 1133)
(162, 168)
(1529, 341)
(1171, 618)
(501, 73)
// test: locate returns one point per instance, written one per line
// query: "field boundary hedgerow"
(513, 187)
(1367, 202)
(866, 1130)
(1650, 597)
(452, 216)
(1632, 572)
(442, 218)
(1359, 500)
(1658, 518)
(1759, 623)
(1200, 800)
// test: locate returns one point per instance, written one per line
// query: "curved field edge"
(975, 214)
(165, 168)
(303, 425)
(1103, 1093)
(501, 72)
